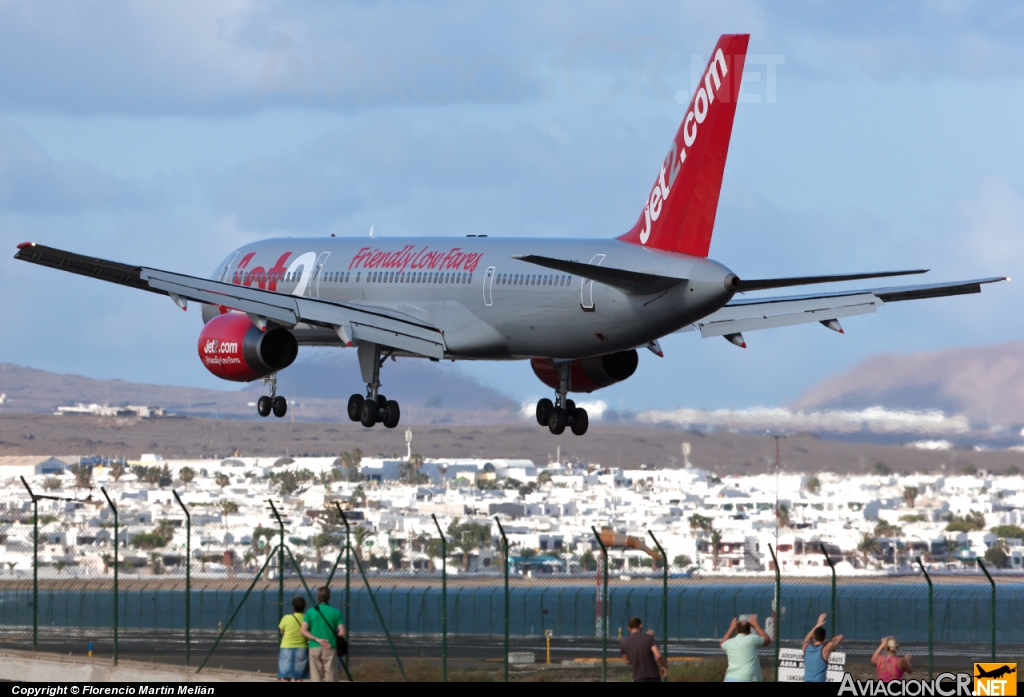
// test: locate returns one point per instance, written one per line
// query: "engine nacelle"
(233, 348)
(588, 374)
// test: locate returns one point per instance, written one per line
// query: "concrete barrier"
(31, 666)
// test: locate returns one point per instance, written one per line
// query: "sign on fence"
(791, 666)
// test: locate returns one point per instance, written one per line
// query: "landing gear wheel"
(382, 401)
(557, 421)
(264, 405)
(580, 421)
(368, 413)
(570, 408)
(391, 414)
(355, 406)
(544, 408)
(280, 406)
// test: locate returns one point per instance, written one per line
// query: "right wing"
(351, 322)
(746, 315)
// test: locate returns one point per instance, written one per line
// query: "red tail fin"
(679, 215)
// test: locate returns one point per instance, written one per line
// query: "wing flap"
(749, 324)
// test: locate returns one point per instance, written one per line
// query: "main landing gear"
(563, 412)
(274, 403)
(374, 408)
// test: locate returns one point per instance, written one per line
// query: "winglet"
(23, 245)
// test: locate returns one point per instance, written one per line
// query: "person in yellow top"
(293, 657)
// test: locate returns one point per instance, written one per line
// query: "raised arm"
(830, 646)
(875, 656)
(760, 632)
(810, 635)
(904, 664)
(729, 631)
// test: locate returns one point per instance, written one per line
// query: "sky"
(868, 137)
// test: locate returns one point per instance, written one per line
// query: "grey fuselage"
(488, 304)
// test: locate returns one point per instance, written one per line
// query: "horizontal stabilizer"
(633, 282)
(743, 286)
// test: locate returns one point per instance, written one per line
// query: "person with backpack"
(322, 626)
(817, 650)
(293, 656)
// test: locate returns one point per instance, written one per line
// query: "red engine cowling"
(588, 374)
(233, 348)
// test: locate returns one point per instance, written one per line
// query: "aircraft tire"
(280, 406)
(580, 421)
(263, 406)
(368, 413)
(355, 406)
(544, 408)
(382, 401)
(570, 408)
(392, 414)
(557, 421)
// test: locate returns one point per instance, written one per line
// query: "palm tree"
(117, 471)
(227, 508)
(716, 541)
(186, 474)
(83, 476)
(868, 547)
(222, 480)
(909, 494)
(359, 535)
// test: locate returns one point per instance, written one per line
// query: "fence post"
(237, 608)
(664, 598)
(931, 617)
(376, 608)
(348, 583)
(604, 609)
(116, 565)
(778, 610)
(444, 601)
(993, 583)
(504, 544)
(280, 563)
(831, 566)
(35, 565)
(188, 577)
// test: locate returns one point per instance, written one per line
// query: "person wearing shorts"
(293, 656)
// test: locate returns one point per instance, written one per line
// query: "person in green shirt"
(322, 625)
(744, 665)
(293, 656)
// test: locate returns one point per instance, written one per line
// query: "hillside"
(984, 383)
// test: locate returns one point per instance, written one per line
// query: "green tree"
(350, 462)
(1008, 532)
(588, 561)
(466, 537)
(868, 547)
(186, 474)
(83, 476)
(969, 470)
(222, 480)
(51, 484)
(117, 470)
(910, 494)
(996, 556)
(968, 523)
(882, 468)
(700, 522)
(716, 544)
(813, 485)
(887, 529)
(682, 561)
(227, 508)
(783, 515)
(526, 553)
(1012, 470)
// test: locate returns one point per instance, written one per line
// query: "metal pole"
(504, 541)
(931, 617)
(664, 598)
(831, 566)
(444, 601)
(280, 563)
(604, 609)
(376, 608)
(35, 565)
(993, 583)
(237, 608)
(778, 609)
(188, 577)
(348, 582)
(116, 565)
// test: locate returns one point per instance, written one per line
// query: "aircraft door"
(488, 282)
(587, 287)
(223, 277)
(318, 267)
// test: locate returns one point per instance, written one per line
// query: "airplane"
(577, 309)
(995, 672)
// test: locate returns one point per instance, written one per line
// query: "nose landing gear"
(274, 403)
(562, 412)
(374, 408)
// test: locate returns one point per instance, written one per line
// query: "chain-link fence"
(200, 581)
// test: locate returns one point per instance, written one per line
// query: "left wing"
(745, 315)
(351, 322)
